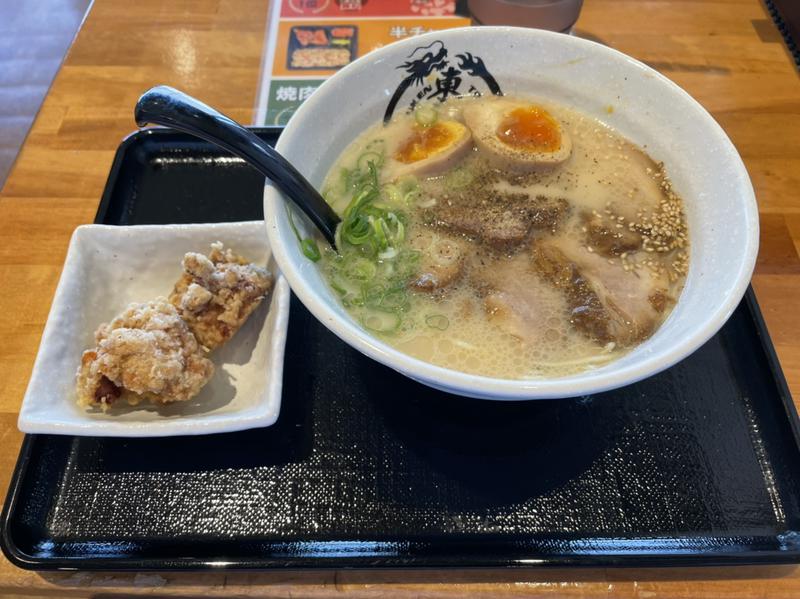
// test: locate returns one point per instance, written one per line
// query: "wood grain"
(724, 52)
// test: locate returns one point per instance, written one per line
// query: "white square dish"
(107, 268)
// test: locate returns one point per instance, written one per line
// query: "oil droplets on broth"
(505, 237)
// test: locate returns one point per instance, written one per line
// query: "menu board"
(309, 40)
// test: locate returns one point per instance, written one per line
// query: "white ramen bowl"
(647, 108)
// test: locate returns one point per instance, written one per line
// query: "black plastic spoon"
(163, 105)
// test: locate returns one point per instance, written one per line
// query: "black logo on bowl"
(430, 71)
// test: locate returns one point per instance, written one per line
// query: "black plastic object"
(365, 468)
(166, 106)
(786, 16)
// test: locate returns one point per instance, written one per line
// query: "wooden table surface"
(726, 53)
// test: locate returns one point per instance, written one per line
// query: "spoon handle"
(163, 105)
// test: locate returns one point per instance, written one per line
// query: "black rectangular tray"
(365, 468)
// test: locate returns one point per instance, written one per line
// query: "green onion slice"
(426, 115)
(437, 321)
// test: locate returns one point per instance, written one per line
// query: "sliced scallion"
(426, 114)
(437, 321)
(370, 267)
(381, 322)
(367, 157)
(308, 246)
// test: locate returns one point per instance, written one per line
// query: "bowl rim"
(484, 387)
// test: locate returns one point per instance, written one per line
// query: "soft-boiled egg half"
(517, 135)
(426, 150)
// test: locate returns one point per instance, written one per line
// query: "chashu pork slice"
(606, 302)
(516, 299)
(498, 219)
(442, 258)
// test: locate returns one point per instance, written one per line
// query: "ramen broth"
(505, 237)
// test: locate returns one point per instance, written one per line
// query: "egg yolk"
(427, 141)
(530, 128)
